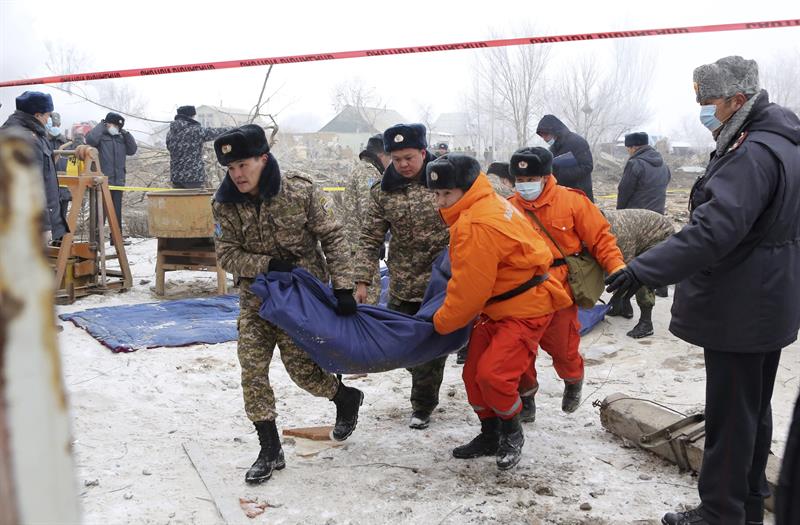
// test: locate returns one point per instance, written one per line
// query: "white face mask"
(551, 141)
(113, 130)
(530, 191)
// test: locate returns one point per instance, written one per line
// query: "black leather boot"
(347, 400)
(690, 517)
(484, 444)
(509, 452)
(572, 396)
(528, 412)
(271, 455)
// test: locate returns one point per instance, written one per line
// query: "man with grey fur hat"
(737, 295)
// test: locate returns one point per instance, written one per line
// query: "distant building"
(352, 126)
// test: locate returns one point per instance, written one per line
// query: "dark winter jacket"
(112, 149)
(736, 262)
(185, 140)
(43, 153)
(580, 176)
(644, 182)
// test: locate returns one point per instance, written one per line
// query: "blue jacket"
(644, 182)
(737, 262)
(113, 149)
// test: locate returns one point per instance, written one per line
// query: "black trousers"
(188, 185)
(732, 482)
(787, 499)
(116, 198)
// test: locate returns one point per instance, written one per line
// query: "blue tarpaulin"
(183, 322)
(372, 340)
(589, 317)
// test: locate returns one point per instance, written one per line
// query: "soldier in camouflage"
(369, 169)
(402, 204)
(271, 221)
(501, 180)
(637, 231)
(185, 140)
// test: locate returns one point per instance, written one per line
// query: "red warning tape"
(165, 70)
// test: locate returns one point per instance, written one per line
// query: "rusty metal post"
(37, 482)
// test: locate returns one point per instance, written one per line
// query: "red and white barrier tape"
(166, 70)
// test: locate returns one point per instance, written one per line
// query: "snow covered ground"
(132, 413)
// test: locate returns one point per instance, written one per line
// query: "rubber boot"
(461, 356)
(484, 444)
(348, 400)
(271, 455)
(571, 398)
(528, 412)
(620, 307)
(661, 291)
(690, 517)
(644, 327)
(509, 451)
(420, 419)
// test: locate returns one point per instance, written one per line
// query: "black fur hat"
(453, 170)
(240, 143)
(638, 138)
(115, 118)
(33, 102)
(501, 170)
(531, 162)
(375, 144)
(402, 136)
(187, 111)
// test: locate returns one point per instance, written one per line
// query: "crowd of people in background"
(514, 229)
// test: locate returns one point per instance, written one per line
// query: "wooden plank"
(84, 268)
(227, 505)
(84, 250)
(312, 433)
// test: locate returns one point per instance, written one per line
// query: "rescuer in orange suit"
(499, 270)
(575, 223)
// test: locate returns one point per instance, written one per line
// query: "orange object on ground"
(494, 249)
(499, 353)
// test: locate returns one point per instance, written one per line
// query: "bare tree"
(601, 102)
(781, 78)
(64, 59)
(362, 98)
(425, 112)
(510, 78)
(121, 96)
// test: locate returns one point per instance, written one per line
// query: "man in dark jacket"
(185, 140)
(561, 141)
(113, 143)
(33, 111)
(738, 295)
(645, 178)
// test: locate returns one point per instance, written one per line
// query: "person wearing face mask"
(562, 141)
(113, 144)
(569, 223)
(737, 296)
(500, 282)
(32, 114)
(401, 204)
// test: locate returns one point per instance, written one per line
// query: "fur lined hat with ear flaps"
(241, 143)
(638, 138)
(402, 136)
(32, 102)
(531, 162)
(115, 118)
(501, 170)
(187, 111)
(453, 170)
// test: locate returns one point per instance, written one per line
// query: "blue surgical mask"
(54, 131)
(709, 118)
(551, 141)
(113, 130)
(530, 191)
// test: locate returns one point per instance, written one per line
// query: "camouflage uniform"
(288, 222)
(356, 203)
(500, 188)
(637, 231)
(407, 208)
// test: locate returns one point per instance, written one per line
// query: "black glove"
(345, 302)
(277, 265)
(623, 283)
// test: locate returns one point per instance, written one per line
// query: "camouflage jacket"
(289, 220)
(500, 188)
(357, 199)
(185, 144)
(407, 208)
(637, 230)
